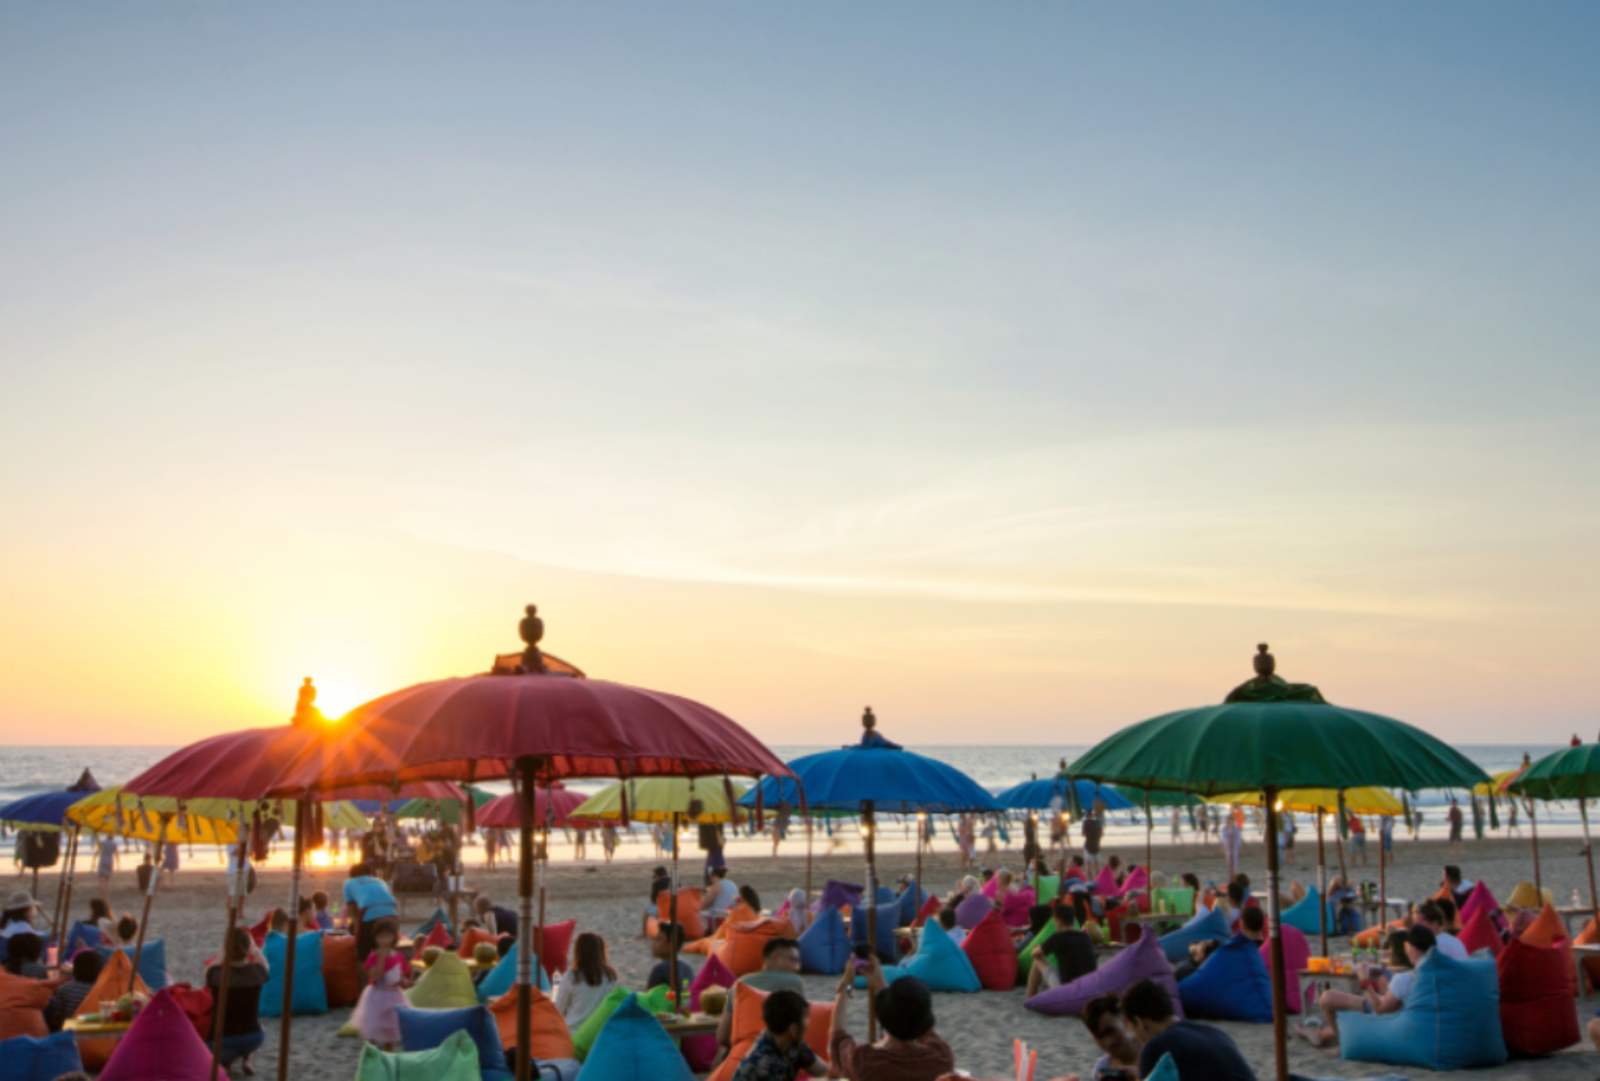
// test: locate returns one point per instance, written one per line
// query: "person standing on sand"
(1177, 826)
(1093, 831)
(1232, 838)
(1454, 818)
(107, 863)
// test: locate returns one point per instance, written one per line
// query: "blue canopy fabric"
(1036, 795)
(40, 809)
(897, 781)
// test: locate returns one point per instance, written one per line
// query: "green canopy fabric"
(1159, 797)
(445, 810)
(1571, 773)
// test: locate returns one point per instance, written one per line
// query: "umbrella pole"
(1533, 827)
(1280, 1002)
(809, 821)
(1322, 883)
(526, 768)
(1383, 884)
(149, 896)
(1149, 828)
(64, 892)
(672, 916)
(872, 910)
(1588, 854)
(235, 896)
(301, 814)
(917, 885)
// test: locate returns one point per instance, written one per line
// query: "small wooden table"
(1399, 904)
(694, 1024)
(1155, 918)
(472, 966)
(96, 1030)
(1575, 912)
(439, 898)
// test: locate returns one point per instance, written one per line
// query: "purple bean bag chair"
(971, 911)
(836, 894)
(1142, 960)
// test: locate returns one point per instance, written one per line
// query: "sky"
(1014, 370)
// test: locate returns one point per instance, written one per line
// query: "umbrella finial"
(532, 630)
(868, 721)
(305, 703)
(1264, 662)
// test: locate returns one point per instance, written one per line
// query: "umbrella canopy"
(1040, 795)
(446, 810)
(875, 770)
(1570, 773)
(659, 799)
(1361, 801)
(103, 812)
(504, 813)
(40, 811)
(1158, 797)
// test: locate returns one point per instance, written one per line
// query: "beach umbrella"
(1267, 736)
(1058, 796)
(870, 776)
(445, 810)
(47, 811)
(1570, 773)
(503, 812)
(534, 719)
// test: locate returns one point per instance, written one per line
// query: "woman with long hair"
(588, 982)
(242, 1035)
(102, 920)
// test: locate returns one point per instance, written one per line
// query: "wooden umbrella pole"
(1280, 1001)
(64, 891)
(1383, 882)
(1322, 883)
(235, 899)
(917, 885)
(1149, 828)
(1533, 827)
(872, 910)
(287, 1026)
(149, 896)
(1588, 854)
(809, 821)
(527, 773)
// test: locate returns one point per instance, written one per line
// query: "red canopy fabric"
(505, 811)
(474, 728)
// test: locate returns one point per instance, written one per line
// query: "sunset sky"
(1014, 370)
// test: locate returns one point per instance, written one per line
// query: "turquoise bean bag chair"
(1450, 1020)
(1209, 924)
(424, 1030)
(941, 964)
(439, 916)
(152, 962)
(825, 945)
(503, 977)
(310, 992)
(27, 1058)
(1306, 914)
(1233, 985)
(634, 1047)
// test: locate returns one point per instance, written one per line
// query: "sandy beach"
(980, 1027)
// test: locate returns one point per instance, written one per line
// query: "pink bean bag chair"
(1105, 884)
(1143, 960)
(700, 1051)
(992, 953)
(1015, 911)
(991, 887)
(1480, 933)
(1296, 952)
(162, 1045)
(1138, 879)
(1481, 899)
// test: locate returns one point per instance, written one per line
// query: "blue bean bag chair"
(941, 964)
(423, 1030)
(310, 992)
(1208, 924)
(1305, 914)
(887, 916)
(26, 1058)
(1450, 1020)
(81, 937)
(825, 945)
(886, 895)
(634, 1047)
(1233, 985)
(911, 902)
(503, 977)
(152, 962)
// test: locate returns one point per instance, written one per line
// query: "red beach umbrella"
(505, 812)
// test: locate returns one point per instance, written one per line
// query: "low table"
(1399, 904)
(1582, 913)
(437, 898)
(694, 1024)
(472, 966)
(96, 1030)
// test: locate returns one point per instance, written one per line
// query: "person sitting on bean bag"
(1378, 995)
(782, 1051)
(910, 1051)
(1120, 1058)
(1063, 956)
(1199, 952)
(1197, 1050)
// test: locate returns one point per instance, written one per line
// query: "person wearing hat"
(18, 916)
(910, 1049)
(1524, 906)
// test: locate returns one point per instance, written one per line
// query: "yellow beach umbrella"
(1361, 801)
(149, 819)
(1496, 785)
(660, 799)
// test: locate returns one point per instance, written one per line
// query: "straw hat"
(1526, 896)
(20, 899)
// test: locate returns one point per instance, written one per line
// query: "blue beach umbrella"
(40, 811)
(1038, 795)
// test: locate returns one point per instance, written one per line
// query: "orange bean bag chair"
(1547, 929)
(741, 950)
(1480, 933)
(739, 913)
(113, 983)
(747, 1027)
(470, 939)
(1589, 936)
(551, 1039)
(992, 953)
(1536, 998)
(688, 912)
(341, 972)
(1377, 936)
(558, 938)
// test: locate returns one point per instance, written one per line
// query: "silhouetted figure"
(305, 702)
(532, 630)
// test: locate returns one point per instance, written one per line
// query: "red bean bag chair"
(341, 972)
(259, 931)
(554, 945)
(161, 1045)
(1536, 1013)
(1296, 952)
(929, 910)
(439, 937)
(1480, 933)
(992, 953)
(196, 1004)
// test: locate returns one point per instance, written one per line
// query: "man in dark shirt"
(1200, 1052)
(69, 996)
(669, 938)
(1063, 956)
(1093, 829)
(781, 1052)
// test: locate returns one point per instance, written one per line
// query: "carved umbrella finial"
(532, 630)
(868, 721)
(305, 701)
(1264, 662)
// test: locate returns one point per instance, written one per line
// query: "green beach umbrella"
(1570, 773)
(1267, 736)
(445, 810)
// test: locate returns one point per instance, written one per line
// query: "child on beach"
(324, 919)
(377, 1015)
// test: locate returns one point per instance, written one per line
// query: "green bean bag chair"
(589, 1031)
(454, 1060)
(447, 985)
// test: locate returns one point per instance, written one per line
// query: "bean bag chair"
(632, 1046)
(1450, 1020)
(440, 918)
(825, 945)
(471, 939)
(437, 937)
(1166, 1070)
(993, 955)
(341, 972)
(1138, 879)
(1547, 929)
(1480, 934)
(28, 1058)
(310, 993)
(747, 1027)
(446, 985)
(1306, 914)
(836, 894)
(1536, 1015)
(454, 1060)
(552, 943)
(1296, 955)
(1232, 985)
(551, 1040)
(886, 925)
(1076, 872)
(911, 902)
(971, 911)
(258, 933)
(1481, 899)
(196, 1006)
(1143, 960)
(503, 977)
(1179, 901)
(991, 887)
(152, 962)
(1047, 887)
(1209, 924)
(112, 983)
(1014, 912)
(741, 951)
(941, 964)
(1105, 883)
(585, 1035)
(688, 910)
(886, 895)
(424, 1030)
(1375, 936)
(701, 1051)
(1527, 896)
(930, 909)
(1025, 955)
(161, 1045)
(81, 937)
